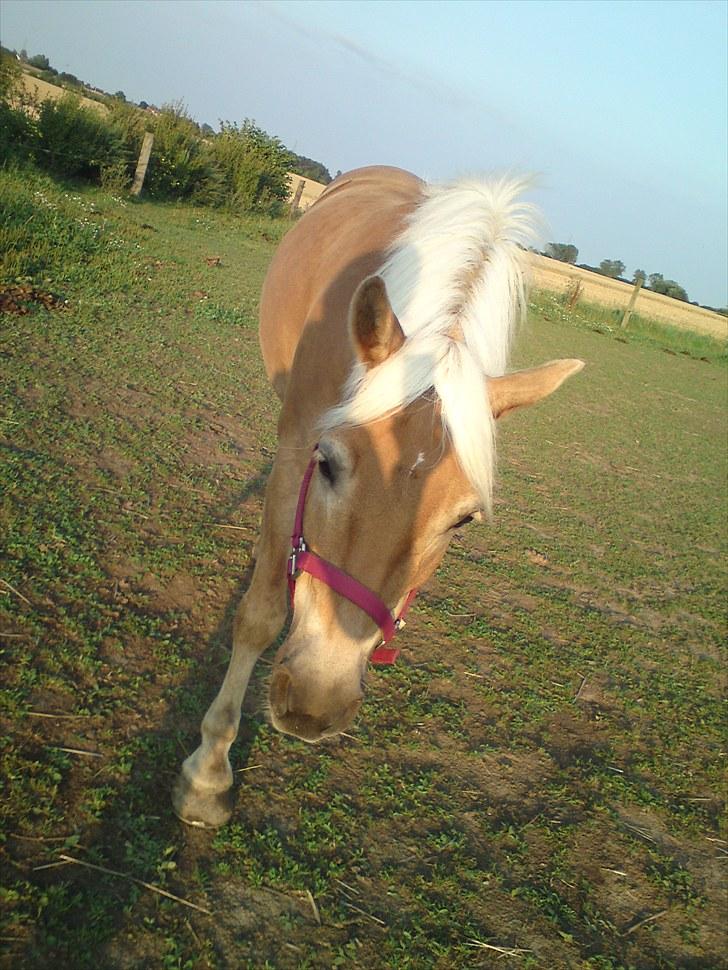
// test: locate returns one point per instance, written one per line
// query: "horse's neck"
(308, 288)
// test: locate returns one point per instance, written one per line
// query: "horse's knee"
(256, 625)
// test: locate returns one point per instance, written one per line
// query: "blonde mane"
(456, 280)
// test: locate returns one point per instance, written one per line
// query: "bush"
(116, 178)
(17, 134)
(179, 165)
(16, 129)
(251, 168)
(74, 141)
(241, 168)
(129, 126)
(9, 77)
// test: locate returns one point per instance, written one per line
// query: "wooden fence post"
(632, 300)
(297, 198)
(141, 169)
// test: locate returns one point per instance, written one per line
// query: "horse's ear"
(526, 387)
(374, 328)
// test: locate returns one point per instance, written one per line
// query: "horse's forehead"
(402, 437)
(410, 447)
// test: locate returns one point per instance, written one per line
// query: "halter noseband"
(303, 560)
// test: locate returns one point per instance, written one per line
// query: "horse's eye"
(326, 470)
(463, 521)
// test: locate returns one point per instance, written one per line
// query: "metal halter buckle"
(301, 547)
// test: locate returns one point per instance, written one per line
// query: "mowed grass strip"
(539, 774)
(667, 337)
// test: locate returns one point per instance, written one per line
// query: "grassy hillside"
(536, 783)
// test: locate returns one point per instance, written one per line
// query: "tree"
(120, 95)
(639, 274)
(40, 61)
(612, 267)
(658, 284)
(310, 169)
(676, 291)
(564, 252)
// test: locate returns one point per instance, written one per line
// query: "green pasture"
(537, 783)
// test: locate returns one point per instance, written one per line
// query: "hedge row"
(240, 167)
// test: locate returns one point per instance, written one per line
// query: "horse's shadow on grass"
(138, 835)
(255, 486)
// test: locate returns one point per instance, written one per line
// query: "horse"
(386, 318)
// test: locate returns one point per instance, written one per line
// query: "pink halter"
(302, 560)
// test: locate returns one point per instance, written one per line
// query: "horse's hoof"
(203, 810)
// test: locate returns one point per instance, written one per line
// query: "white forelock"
(455, 278)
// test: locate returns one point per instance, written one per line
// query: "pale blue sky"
(620, 108)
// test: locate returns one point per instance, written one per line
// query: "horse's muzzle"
(309, 716)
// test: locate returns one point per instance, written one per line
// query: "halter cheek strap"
(303, 560)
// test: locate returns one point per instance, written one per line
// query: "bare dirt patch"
(21, 299)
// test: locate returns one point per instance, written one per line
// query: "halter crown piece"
(303, 560)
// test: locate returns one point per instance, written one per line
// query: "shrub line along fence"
(240, 168)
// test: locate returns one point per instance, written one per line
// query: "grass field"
(537, 783)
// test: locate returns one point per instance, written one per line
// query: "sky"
(619, 108)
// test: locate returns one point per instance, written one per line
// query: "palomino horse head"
(384, 502)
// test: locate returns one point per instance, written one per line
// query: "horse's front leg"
(203, 793)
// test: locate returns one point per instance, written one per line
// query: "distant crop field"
(311, 189)
(557, 277)
(537, 782)
(40, 90)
